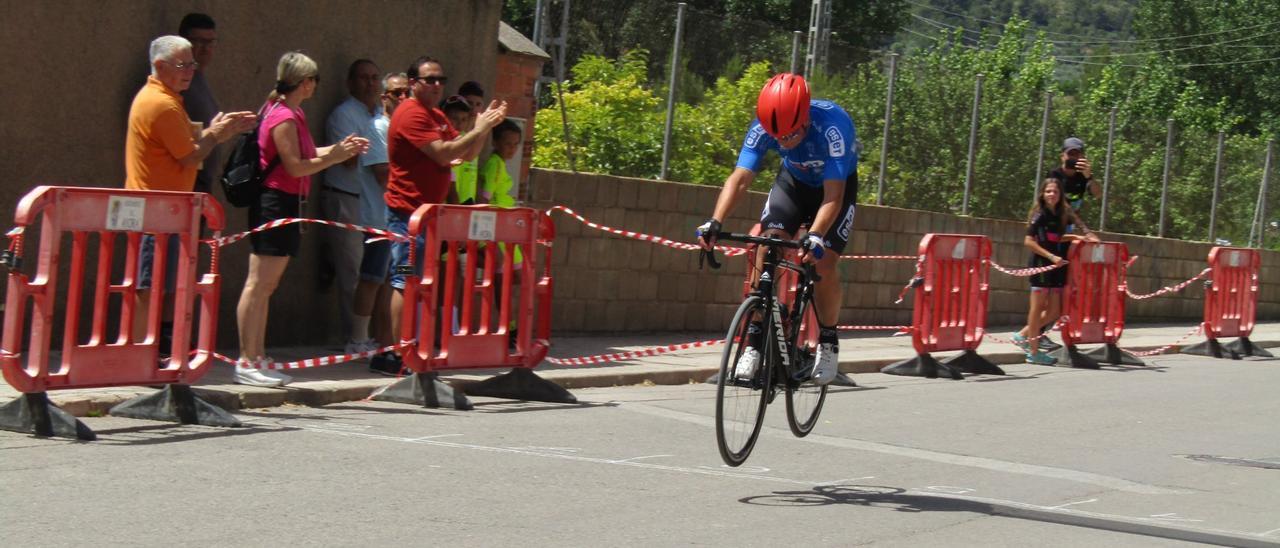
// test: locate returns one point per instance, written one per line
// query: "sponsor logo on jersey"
(835, 142)
(775, 225)
(753, 136)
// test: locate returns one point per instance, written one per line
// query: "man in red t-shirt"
(422, 147)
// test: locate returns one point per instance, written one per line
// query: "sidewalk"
(860, 352)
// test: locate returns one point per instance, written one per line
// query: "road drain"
(1273, 464)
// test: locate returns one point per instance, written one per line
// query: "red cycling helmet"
(783, 106)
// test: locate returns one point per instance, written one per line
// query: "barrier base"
(1211, 348)
(521, 384)
(843, 380)
(425, 389)
(971, 362)
(34, 414)
(1071, 356)
(1112, 354)
(1245, 347)
(175, 403)
(923, 365)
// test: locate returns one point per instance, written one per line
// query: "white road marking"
(1074, 503)
(926, 454)
(996, 507)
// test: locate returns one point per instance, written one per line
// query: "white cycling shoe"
(828, 363)
(747, 364)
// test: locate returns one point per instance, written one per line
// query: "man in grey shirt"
(200, 30)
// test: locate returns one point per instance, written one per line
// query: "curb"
(318, 393)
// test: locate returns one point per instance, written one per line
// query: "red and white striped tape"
(1168, 289)
(620, 356)
(901, 329)
(1161, 350)
(1024, 272)
(385, 234)
(728, 251)
(316, 362)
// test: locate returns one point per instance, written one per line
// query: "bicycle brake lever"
(709, 257)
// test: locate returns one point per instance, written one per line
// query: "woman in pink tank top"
(284, 135)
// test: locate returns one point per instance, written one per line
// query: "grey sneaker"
(747, 364)
(828, 363)
(248, 375)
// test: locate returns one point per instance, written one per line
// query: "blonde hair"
(293, 68)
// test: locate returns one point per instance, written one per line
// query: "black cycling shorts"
(792, 204)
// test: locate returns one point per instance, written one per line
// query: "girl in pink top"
(284, 135)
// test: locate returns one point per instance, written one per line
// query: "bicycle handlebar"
(709, 255)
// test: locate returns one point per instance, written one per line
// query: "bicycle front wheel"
(805, 399)
(740, 403)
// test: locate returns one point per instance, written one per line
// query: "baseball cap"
(1073, 143)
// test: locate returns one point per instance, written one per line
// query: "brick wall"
(606, 283)
(517, 74)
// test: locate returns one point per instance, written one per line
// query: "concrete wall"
(73, 67)
(608, 283)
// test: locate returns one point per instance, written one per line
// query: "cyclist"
(817, 184)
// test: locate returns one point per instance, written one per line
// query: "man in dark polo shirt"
(422, 147)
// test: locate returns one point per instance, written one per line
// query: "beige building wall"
(72, 69)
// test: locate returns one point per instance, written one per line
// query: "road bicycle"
(782, 303)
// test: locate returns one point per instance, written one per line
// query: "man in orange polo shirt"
(162, 150)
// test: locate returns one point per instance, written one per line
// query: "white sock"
(360, 327)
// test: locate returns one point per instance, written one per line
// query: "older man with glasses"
(163, 148)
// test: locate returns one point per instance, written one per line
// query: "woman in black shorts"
(284, 135)
(1048, 241)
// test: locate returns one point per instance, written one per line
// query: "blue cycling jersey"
(829, 149)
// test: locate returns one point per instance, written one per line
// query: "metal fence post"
(671, 92)
(795, 51)
(1044, 132)
(1217, 184)
(1260, 209)
(1164, 185)
(1106, 170)
(973, 143)
(888, 120)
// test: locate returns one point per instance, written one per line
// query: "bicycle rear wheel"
(740, 403)
(805, 399)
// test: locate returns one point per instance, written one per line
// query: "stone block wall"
(607, 283)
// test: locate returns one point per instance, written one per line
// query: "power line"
(1089, 42)
(1077, 62)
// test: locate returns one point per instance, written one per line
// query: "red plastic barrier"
(1231, 299)
(123, 360)
(1094, 298)
(950, 311)
(481, 338)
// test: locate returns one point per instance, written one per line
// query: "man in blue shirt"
(352, 193)
(817, 186)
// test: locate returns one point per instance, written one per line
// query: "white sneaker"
(279, 377)
(747, 364)
(250, 376)
(360, 347)
(828, 363)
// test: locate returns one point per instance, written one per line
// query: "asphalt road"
(1185, 450)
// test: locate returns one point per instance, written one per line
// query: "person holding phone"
(1075, 174)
